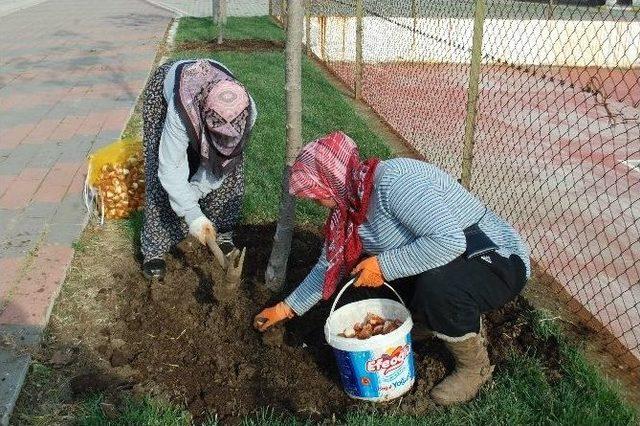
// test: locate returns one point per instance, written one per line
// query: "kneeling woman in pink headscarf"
(197, 122)
(408, 223)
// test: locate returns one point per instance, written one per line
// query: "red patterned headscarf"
(330, 167)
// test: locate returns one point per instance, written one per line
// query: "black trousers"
(451, 298)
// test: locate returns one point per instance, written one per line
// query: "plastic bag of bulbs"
(115, 180)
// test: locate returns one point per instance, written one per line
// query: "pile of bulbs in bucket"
(373, 325)
(121, 187)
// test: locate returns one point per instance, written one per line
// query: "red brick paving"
(74, 51)
(31, 299)
(57, 182)
(77, 182)
(10, 267)
(68, 127)
(11, 137)
(114, 119)
(5, 183)
(23, 188)
(43, 131)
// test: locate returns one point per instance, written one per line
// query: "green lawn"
(201, 29)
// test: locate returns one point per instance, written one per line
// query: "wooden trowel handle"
(215, 249)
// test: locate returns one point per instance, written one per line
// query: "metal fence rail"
(555, 132)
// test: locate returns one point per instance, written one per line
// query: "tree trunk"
(222, 19)
(277, 268)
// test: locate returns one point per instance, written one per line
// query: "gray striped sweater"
(414, 223)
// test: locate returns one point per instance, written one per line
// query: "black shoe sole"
(152, 277)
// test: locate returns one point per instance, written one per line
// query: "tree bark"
(277, 267)
(222, 19)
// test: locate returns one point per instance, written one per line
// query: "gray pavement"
(202, 8)
(10, 6)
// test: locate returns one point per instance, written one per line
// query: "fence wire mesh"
(557, 133)
(557, 129)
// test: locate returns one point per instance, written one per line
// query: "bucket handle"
(349, 284)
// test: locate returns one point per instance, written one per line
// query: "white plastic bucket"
(380, 368)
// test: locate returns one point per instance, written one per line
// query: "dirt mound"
(177, 341)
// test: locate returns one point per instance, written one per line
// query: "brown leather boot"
(471, 372)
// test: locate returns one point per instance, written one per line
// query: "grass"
(237, 28)
(522, 395)
(44, 381)
(147, 412)
(78, 246)
(134, 125)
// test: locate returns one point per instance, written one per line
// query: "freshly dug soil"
(178, 342)
(248, 45)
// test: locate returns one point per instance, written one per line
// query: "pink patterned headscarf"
(330, 167)
(217, 107)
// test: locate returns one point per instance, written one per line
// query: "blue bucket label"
(377, 374)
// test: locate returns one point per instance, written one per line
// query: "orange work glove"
(272, 316)
(370, 273)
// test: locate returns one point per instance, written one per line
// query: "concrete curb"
(15, 368)
(15, 344)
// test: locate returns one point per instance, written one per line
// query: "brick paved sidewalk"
(70, 74)
(11, 6)
(203, 8)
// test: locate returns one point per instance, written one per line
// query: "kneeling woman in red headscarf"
(197, 122)
(408, 223)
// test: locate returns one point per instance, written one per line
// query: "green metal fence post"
(283, 13)
(307, 27)
(358, 70)
(472, 92)
(414, 14)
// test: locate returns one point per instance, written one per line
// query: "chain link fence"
(555, 130)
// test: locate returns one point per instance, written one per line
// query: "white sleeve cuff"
(192, 215)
